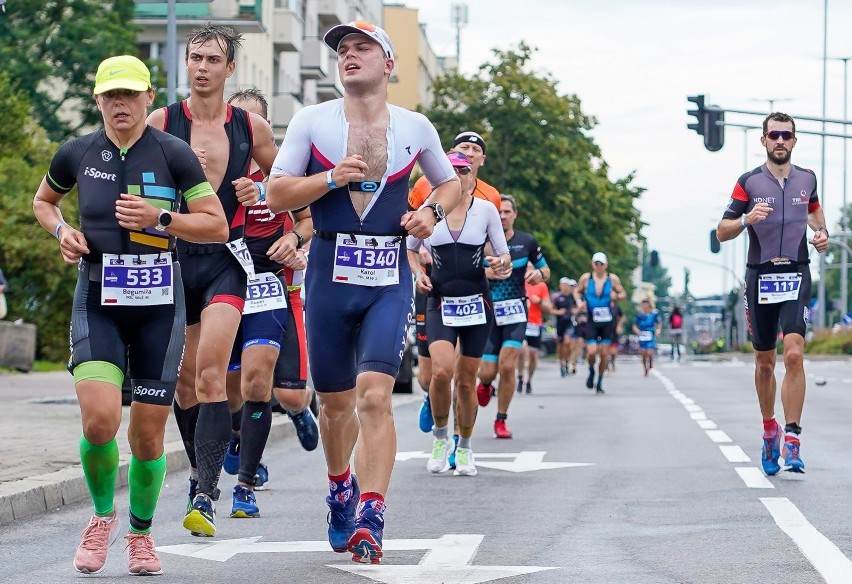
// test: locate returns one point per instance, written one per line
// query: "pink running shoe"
(91, 554)
(144, 560)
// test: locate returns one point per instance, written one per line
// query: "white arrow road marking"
(448, 562)
(828, 560)
(524, 461)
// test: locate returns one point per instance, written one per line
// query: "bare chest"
(370, 142)
(213, 139)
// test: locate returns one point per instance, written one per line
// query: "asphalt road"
(669, 491)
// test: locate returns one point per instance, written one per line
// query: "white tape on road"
(753, 478)
(829, 561)
(734, 453)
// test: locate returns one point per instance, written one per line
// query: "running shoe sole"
(240, 514)
(364, 547)
(199, 525)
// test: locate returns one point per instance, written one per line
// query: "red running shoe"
(501, 431)
(483, 394)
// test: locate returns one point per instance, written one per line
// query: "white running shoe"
(438, 461)
(465, 464)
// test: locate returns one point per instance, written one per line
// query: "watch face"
(165, 219)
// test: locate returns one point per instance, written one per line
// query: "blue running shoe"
(341, 518)
(451, 459)
(366, 543)
(772, 450)
(193, 489)
(306, 429)
(261, 478)
(232, 456)
(426, 415)
(245, 503)
(201, 519)
(792, 462)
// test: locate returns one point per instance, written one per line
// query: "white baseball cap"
(569, 281)
(600, 257)
(336, 33)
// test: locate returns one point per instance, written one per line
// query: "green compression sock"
(100, 465)
(145, 480)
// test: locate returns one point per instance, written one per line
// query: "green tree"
(834, 256)
(541, 151)
(52, 48)
(41, 285)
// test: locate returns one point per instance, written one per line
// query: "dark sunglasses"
(784, 134)
(462, 170)
(120, 93)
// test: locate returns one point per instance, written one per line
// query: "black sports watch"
(163, 221)
(300, 241)
(438, 210)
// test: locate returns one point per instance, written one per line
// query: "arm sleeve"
(536, 256)
(62, 173)
(495, 231)
(739, 201)
(413, 243)
(435, 164)
(295, 151)
(187, 171)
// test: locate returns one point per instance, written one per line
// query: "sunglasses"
(462, 171)
(120, 93)
(783, 134)
(599, 263)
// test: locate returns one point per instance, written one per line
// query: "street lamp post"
(821, 287)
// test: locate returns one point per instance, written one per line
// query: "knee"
(210, 383)
(793, 357)
(375, 402)
(765, 369)
(442, 374)
(255, 386)
(100, 427)
(290, 399)
(336, 407)
(146, 443)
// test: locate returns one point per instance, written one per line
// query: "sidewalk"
(40, 434)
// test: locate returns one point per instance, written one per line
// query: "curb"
(48, 492)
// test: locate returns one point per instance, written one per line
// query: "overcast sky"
(633, 63)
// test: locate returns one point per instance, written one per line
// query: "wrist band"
(743, 221)
(330, 181)
(262, 190)
(58, 227)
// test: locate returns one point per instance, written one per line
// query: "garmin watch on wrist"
(163, 221)
(438, 210)
(300, 241)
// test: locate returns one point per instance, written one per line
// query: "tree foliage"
(52, 48)
(539, 148)
(41, 286)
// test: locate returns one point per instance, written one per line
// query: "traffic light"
(700, 114)
(714, 132)
(715, 246)
(654, 260)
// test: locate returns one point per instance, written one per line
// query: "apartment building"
(283, 54)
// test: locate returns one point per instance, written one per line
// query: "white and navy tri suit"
(457, 275)
(353, 328)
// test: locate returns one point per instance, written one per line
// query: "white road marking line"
(718, 436)
(734, 453)
(753, 478)
(829, 561)
(707, 424)
(692, 408)
(698, 416)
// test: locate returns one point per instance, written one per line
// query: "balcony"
(152, 17)
(330, 87)
(315, 59)
(284, 107)
(331, 12)
(286, 30)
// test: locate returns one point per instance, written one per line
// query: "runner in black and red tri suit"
(776, 203)
(226, 139)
